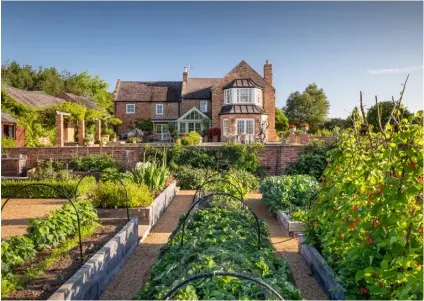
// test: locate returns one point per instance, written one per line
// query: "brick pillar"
(59, 130)
(269, 101)
(293, 139)
(81, 132)
(304, 139)
(65, 131)
(98, 135)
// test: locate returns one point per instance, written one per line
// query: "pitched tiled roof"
(199, 88)
(243, 83)
(149, 91)
(241, 109)
(88, 103)
(6, 117)
(33, 98)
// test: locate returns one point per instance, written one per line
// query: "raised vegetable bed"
(322, 271)
(146, 215)
(293, 227)
(89, 282)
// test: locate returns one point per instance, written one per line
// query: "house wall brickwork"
(187, 104)
(233, 127)
(275, 157)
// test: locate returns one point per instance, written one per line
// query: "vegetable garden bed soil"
(59, 272)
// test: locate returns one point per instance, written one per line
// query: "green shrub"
(15, 252)
(51, 170)
(191, 178)
(312, 161)
(111, 194)
(40, 192)
(193, 138)
(93, 162)
(7, 142)
(113, 174)
(153, 174)
(288, 192)
(144, 125)
(50, 232)
(300, 216)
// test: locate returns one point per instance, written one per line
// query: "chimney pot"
(267, 61)
(185, 75)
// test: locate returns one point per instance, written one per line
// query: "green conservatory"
(193, 120)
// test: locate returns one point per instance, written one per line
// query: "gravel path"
(132, 277)
(288, 248)
(17, 212)
(130, 280)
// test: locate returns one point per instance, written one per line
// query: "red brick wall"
(233, 126)
(275, 157)
(143, 110)
(187, 104)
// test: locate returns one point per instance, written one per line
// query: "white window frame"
(245, 126)
(259, 97)
(249, 95)
(159, 105)
(227, 96)
(204, 105)
(128, 105)
(225, 127)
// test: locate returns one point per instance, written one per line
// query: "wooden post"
(81, 132)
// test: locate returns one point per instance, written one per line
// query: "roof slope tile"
(149, 91)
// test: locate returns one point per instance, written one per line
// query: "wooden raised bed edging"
(289, 225)
(89, 282)
(146, 215)
(322, 271)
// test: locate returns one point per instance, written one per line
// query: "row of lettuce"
(365, 215)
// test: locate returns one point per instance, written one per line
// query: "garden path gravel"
(17, 212)
(131, 279)
(288, 248)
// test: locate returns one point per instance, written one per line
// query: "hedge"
(40, 192)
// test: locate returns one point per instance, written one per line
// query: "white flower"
(141, 165)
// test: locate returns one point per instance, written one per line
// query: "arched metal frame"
(225, 194)
(257, 281)
(90, 172)
(210, 180)
(64, 195)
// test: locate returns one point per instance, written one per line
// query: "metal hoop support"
(90, 172)
(209, 180)
(225, 194)
(64, 195)
(257, 281)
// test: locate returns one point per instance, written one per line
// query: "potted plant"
(105, 134)
(113, 136)
(292, 128)
(133, 140)
(305, 127)
(89, 141)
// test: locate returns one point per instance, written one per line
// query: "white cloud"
(395, 70)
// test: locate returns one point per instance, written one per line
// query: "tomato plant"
(368, 218)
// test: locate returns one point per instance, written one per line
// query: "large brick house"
(241, 104)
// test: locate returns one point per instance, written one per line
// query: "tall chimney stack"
(185, 74)
(268, 72)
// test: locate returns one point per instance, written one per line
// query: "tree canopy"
(53, 82)
(281, 121)
(310, 106)
(386, 108)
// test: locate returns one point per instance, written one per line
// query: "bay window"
(245, 126)
(243, 96)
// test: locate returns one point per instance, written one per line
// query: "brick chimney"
(185, 74)
(268, 72)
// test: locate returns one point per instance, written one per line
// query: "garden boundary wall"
(274, 157)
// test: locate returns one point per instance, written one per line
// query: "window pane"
(249, 126)
(198, 127)
(158, 128)
(226, 127)
(240, 127)
(191, 126)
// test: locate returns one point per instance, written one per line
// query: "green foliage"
(38, 191)
(341, 123)
(324, 132)
(192, 138)
(15, 252)
(133, 140)
(7, 142)
(218, 239)
(144, 125)
(281, 121)
(51, 170)
(299, 216)
(191, 178)
(386, 108)
(115, 174)
(113, 121)
(312, 161)
(50, 232)
(154, 174)
(288, 193)
(93, 162)
(111, 194)
(367, 221)
(53, 82)
(310, 106)
(76, 110)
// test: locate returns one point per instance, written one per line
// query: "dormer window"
(244, 96)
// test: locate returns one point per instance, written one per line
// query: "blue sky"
(344, 47)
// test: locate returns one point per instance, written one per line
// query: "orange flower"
(420, 179)
(341, 235)
(375, 224)
(352, 226)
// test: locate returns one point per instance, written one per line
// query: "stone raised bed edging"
(289, 225)
(322, 271)
(146, 215)
(89, 282)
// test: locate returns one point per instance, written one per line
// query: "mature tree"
(53, 82)
(310, 106)
(339, 122)
(386, 108)
(281, 121)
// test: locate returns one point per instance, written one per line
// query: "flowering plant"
(292, 126)
(304, 124)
